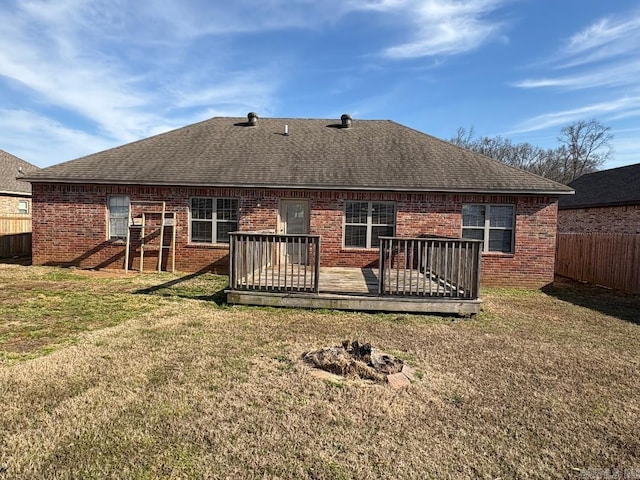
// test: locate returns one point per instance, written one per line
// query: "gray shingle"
(10, 169)
(617, 186)
(371, 155)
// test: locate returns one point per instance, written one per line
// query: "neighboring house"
(347, 181)
(605, 202)
(15, 195)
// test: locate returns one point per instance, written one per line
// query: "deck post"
(316, 271)
(478, 271)
(381, 262)
(232, 259)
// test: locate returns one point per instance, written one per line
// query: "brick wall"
(622, 219)
(70, 227)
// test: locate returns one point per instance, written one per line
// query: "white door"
(294, 219)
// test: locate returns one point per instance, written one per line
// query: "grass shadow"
(624, 306)
(200, 285)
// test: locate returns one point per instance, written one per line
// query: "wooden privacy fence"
(14, 224)
(15, 245)
(264, 261)
(609, 259)
(430, 267)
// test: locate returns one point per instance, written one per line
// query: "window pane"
(227, 209)
(202, 208)
(383, 214)
(473, 233)
(500, 241)
(223, 229)
(501, 216)
(355, 236)
(473, 215)
(118, 206)
(23, 206)
(118, 227)
(201, 231)
(386, 231)
(356, 212)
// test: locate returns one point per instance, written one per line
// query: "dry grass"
(535, 387)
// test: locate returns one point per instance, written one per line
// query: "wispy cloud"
(604, 53)
(440, 27)
(610, 109)
(605, 39)
(615, 75)
(43, 141)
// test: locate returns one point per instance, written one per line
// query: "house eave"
(15, 194)
(487, 191)
(598, 205)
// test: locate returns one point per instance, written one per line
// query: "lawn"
(106, 375)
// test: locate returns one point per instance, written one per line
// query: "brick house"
(605, 202)
(15, 195)
(349, 181)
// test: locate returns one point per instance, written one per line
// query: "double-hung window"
(118, 216)
(212, 219)
(365, 222)
(493, 224)
(23, 206)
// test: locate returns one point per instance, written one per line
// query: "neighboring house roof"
(12, 167)
(618, 186)
(316, 154)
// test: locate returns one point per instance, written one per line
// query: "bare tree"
(463, 138)
(585, 146)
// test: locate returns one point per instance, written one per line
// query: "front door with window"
(294, 219)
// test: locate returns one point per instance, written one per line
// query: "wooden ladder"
(167, 220)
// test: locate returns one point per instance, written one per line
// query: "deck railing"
(430, 267)
(270, 262)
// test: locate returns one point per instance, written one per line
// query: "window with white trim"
(23, 206)
(212, 219)
(493, 224)
(365, 222)
(118, 216)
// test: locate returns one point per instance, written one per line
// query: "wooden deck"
(355, 289)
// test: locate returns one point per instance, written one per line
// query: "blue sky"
(79, 76)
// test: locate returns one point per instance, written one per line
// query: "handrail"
(430, 267)
(274, 262)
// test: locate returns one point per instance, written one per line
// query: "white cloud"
(440, 27)
(604, 110)
(606, 32)
(604, 53)
(624, 73)
(42, 141)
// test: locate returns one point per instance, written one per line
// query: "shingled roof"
(10, 168)
(315, 154)
(618, 186)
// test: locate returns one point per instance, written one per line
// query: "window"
(212, 219)
(23, 206)
(492, 222)
(365, 222)
(118, 216)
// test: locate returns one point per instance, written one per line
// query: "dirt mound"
(354, 359)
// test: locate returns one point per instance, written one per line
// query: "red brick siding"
(70, 227)
(622, 219)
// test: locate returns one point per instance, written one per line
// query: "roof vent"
(346, 120)
(253, 118)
